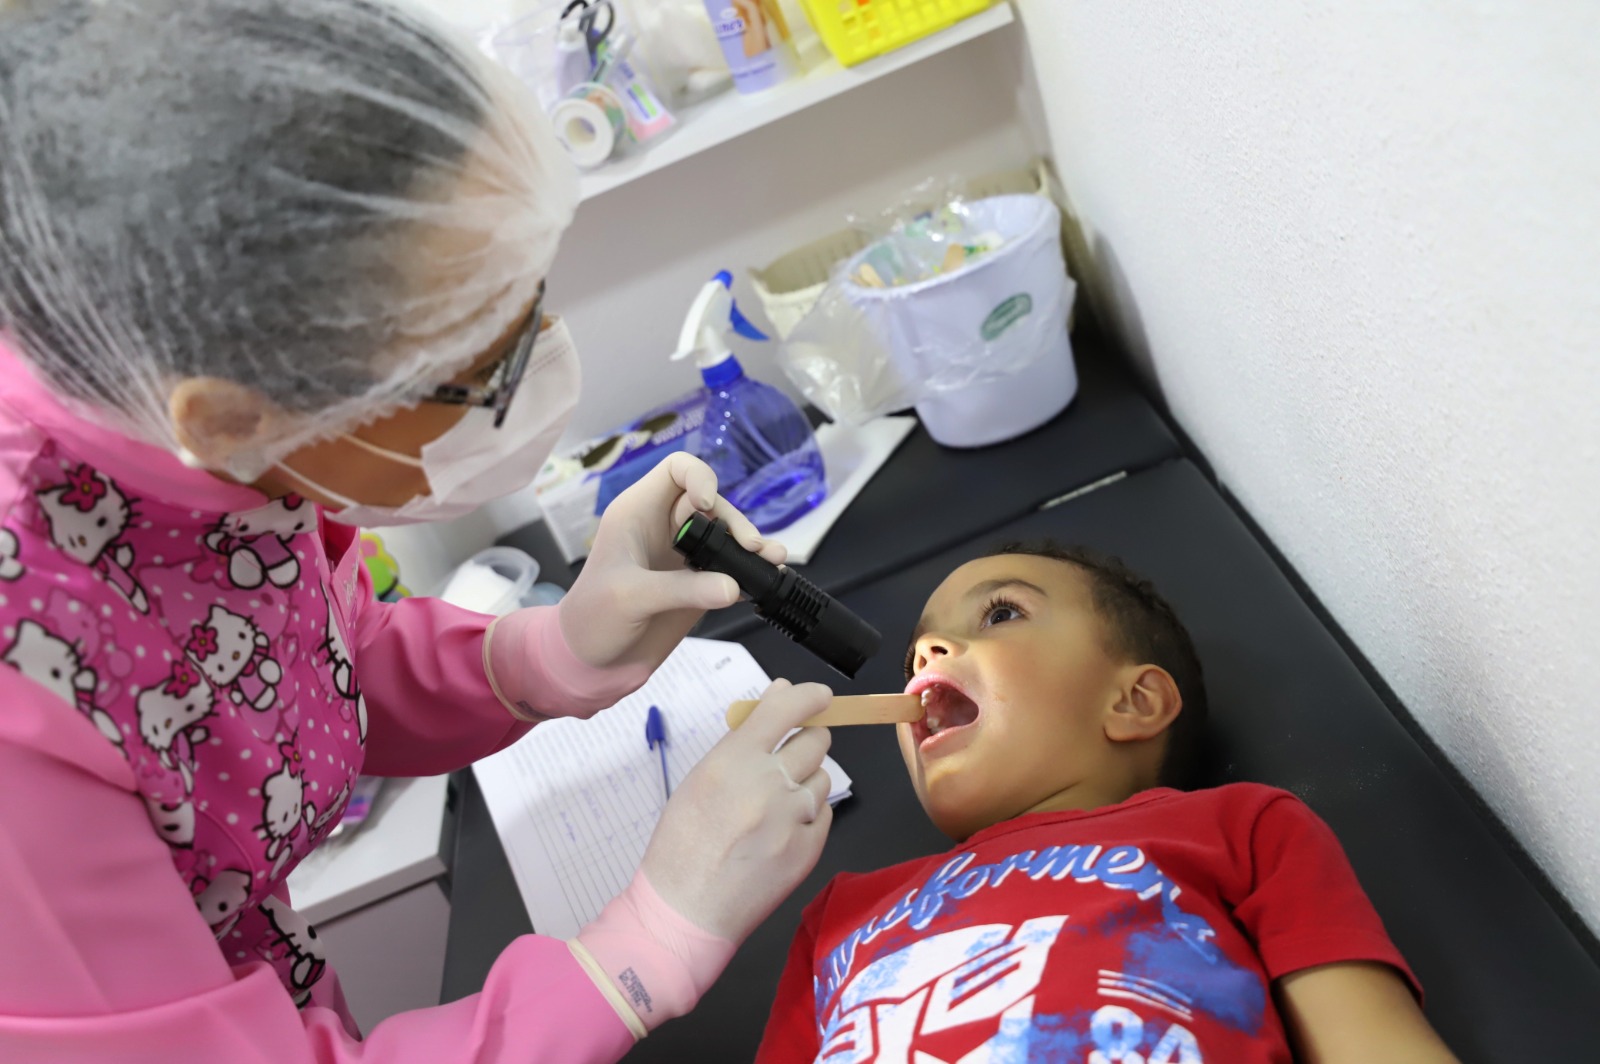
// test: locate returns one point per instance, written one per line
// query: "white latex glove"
(747, 824)
(635, 599)
(738, 834)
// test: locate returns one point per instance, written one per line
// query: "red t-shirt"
(1140, 933)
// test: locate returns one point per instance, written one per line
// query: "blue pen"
(655, 733)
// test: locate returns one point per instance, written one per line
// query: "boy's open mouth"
(945, 709)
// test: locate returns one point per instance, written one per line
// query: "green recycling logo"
(1006, 315)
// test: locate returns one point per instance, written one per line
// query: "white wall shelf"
(731, 115)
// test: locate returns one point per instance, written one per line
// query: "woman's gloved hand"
(633, 603)
(737, 836)
(747, 823)
(635, 600)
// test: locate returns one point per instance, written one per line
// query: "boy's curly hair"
(1142, 627)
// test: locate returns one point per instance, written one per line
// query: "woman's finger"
(815, 791)
(781, 710)
(802, 755)
(700, 484)
(682, 510)
(739, 526)
(680, 474)
(652, 592)
(774, 552)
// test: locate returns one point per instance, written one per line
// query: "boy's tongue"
(945, 708)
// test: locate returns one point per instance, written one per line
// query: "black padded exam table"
(1507, 979)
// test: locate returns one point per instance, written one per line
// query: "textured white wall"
(1357, 246)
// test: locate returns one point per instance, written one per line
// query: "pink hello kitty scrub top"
(194, 674)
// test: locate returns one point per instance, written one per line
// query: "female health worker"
(270, 269)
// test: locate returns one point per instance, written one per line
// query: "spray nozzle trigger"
(742, 325)
(713, 313)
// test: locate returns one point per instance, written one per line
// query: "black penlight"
(783, 598)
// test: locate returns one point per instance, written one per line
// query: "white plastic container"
(791, 285)
(989, 340)
(495, 581)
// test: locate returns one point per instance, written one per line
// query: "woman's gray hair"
(332, 202)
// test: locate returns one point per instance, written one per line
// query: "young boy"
(1090, 913)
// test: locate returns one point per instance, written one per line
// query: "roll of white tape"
(589, 123)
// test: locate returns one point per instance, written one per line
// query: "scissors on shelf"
(596, 20)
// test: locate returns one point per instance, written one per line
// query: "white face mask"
(474, 462)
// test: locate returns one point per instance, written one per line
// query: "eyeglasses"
(508, 373)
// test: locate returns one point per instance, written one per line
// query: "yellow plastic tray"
(857, 30)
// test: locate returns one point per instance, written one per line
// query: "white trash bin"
(988, 341)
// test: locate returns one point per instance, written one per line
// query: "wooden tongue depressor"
(849, 709)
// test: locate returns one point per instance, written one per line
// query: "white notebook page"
(574, 801)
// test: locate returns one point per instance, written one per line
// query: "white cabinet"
(378, 902)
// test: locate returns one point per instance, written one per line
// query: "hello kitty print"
(208, 649)
(88, 517)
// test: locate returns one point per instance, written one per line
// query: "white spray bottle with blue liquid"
(754, 438)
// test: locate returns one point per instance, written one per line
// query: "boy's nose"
(931, 648)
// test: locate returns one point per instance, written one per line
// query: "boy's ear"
(1148, 704)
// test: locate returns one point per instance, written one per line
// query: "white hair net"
(332, 202)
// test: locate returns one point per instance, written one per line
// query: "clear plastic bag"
(679, 49)
(950, 298)
(564, 50)
(930, 231)
(526, 47)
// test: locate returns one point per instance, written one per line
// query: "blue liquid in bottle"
(761, 447)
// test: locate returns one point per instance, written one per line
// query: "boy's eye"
(1000, 611)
